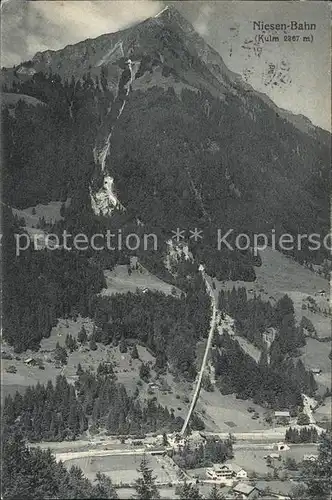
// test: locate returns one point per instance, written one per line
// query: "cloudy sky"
(295, 75)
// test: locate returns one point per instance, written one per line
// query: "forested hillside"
(62, 411)
(147, 132)
(280, 376)
(40, 286)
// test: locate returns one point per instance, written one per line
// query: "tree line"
(203, 455)
(62, 411)
(305, 435)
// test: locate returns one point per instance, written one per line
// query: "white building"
(220, 472)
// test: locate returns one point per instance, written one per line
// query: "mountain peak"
(170, 14)
(165, 10)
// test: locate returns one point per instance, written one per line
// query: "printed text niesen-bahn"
(292, 25)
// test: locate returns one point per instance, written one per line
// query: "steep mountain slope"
(181, 140)
(148, 130)
(150, 37)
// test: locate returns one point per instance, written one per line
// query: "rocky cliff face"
(103, 197)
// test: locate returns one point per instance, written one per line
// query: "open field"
(123, 469)
(225, 413)
(252, 460)
(119, 281)
(316, 355)
(50, 212)
(324, 411)
(11, 99)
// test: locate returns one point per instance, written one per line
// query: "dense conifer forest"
(62, 411)
(280, 376)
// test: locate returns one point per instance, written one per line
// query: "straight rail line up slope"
(207, 348)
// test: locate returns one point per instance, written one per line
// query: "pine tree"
(264, 359)
(123, 345)
(79, 370)
(73, 420)
(104, 488)
(165, 440)
(215, 494)
(283, 307)
(303, 419)
(71, 343)
(318, 474)
(145, 485)
(144, 372)
(92, 344)
(60, 354)
(134, 352)
(188, 492)
(82, 336)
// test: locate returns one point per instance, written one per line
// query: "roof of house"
(231, 467)
(244, 488)
(310, 456)
(276, 487)
(235, 468)
(219, 466)
(281, 414)
(28, 360)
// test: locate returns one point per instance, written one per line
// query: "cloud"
(201, 24)
(29, 27)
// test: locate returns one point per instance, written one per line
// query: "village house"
(282, 417)
(176, 442)
(316, 370)
(245, 491)
(220, 472)
(30, 362)
(310, 458)
(273, 456)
